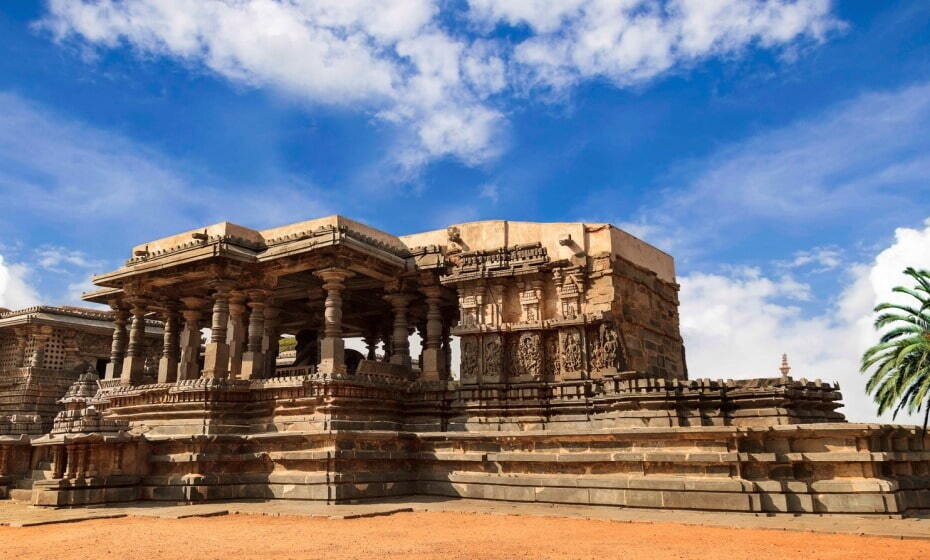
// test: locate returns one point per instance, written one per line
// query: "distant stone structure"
(573, 386)
(43, 350)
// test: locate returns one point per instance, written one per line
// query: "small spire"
(785, 368)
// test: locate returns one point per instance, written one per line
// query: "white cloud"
(490, 192)
(63, 170)
(15, 290)
(52, 257)
(98, 184)
(737, 324)
(432, 67)
(629, 42)
(818, 259)
(864, 159)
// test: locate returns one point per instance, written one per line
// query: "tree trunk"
(923, 440)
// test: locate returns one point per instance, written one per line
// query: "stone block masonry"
(572, 386)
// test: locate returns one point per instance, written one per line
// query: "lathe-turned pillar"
(216, 355)
(332, 347)
(433, 367)
(171, 346)
(134, 364)
(400, 344)
(271, 339)
(189, 366)
(237, 335)
(118, 346)
(253, 363)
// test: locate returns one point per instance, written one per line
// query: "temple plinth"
(569, 383)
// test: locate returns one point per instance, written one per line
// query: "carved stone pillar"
(400, 345)
(386, 329)
(118, 346)
(58, 462)
(237, 334)
(447, 345)
(216, 355)
(253, 363)
(270, 340)
(371, 344)
(189, 366)
(332, 347)
(171, 346)
(134, 364)
(83, 459)
(71, 468)
(433, 363)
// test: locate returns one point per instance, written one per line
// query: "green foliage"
(901, 360)
(288, 343)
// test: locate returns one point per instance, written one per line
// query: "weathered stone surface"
(572, 386)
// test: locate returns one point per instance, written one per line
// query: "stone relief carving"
(610, 341)
(492, 356)
(529, 354)
(605, 350)
(569, 284)
(571, 351)
(469, 358)
(552, 363)
(512, 351)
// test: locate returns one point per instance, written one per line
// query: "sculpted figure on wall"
(529, 355)
(571, 351)
(492, 356)
(552, 362)
(469, 358)
(605, 353)
(610, 345)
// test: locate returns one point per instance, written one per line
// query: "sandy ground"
(445, 536)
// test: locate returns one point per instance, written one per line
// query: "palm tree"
(901, 359)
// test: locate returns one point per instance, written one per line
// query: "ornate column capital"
(333, 278)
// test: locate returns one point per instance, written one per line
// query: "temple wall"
(832, 468)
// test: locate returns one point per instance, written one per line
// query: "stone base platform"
(21, 515)
(819, 468)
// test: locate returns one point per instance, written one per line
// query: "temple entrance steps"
(21, 490)
(21, 495)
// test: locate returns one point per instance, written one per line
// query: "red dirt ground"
(446, 536)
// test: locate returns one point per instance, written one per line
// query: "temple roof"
(387, 255)
(65, 315)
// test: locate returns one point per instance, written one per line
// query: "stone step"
(20, 495)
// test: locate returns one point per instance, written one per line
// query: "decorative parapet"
(497, 263)
(198, 240)
(30, 314)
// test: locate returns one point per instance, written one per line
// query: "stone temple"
(571, 384)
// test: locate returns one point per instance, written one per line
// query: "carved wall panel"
(552, 364)
(471, 355)
(493, 354)
(512, 353)
(530, 356)
(571, 353)
(605, 350)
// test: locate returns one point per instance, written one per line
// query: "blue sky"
(778, 149)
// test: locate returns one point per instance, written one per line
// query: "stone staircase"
(21, 490)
